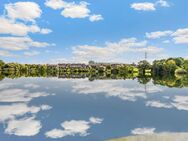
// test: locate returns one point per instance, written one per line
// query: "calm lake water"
(38, 109)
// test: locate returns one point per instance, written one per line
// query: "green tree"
(143, 66)
(1, 65)
(171, 66)
(179, 61)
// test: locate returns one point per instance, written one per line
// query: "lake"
(38, 109)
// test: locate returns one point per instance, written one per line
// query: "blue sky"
(52, 31)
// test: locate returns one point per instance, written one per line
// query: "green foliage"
(144, 65)
(179, 61)
(160, 67)
(169, 66)
(168, 72)
(180, 71)
(185, 65)
(1, 63)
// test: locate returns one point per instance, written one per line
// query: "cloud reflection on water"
(74, 127)
(115, 88)
(28, 126)
(143, 131)
(19, 95)
(179, 102)
(18, 117)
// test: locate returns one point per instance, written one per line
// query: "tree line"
(161, 67)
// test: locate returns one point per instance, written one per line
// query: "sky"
(57, 31)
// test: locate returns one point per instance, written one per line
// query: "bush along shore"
(163, 67)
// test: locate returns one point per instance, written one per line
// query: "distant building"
(81, 66)
(51, 66)
(133, 64)
(104, 65)
(99, 64)
(63, 66)
(116, 65)
(73, 66)
(84, 66)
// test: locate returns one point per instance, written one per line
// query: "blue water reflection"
(77, 109)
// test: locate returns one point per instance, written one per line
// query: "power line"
(146, 55)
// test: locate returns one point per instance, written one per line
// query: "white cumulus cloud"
(145, 6)
(158, 34)
(163, 3)
(27, 11)
(179, 36)
(112, 50)
(10, 27)
(56, 4)
(94, 18)
(76, 11)
(73, 9)
(149, 6)
(17, 22)
(20, 43)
